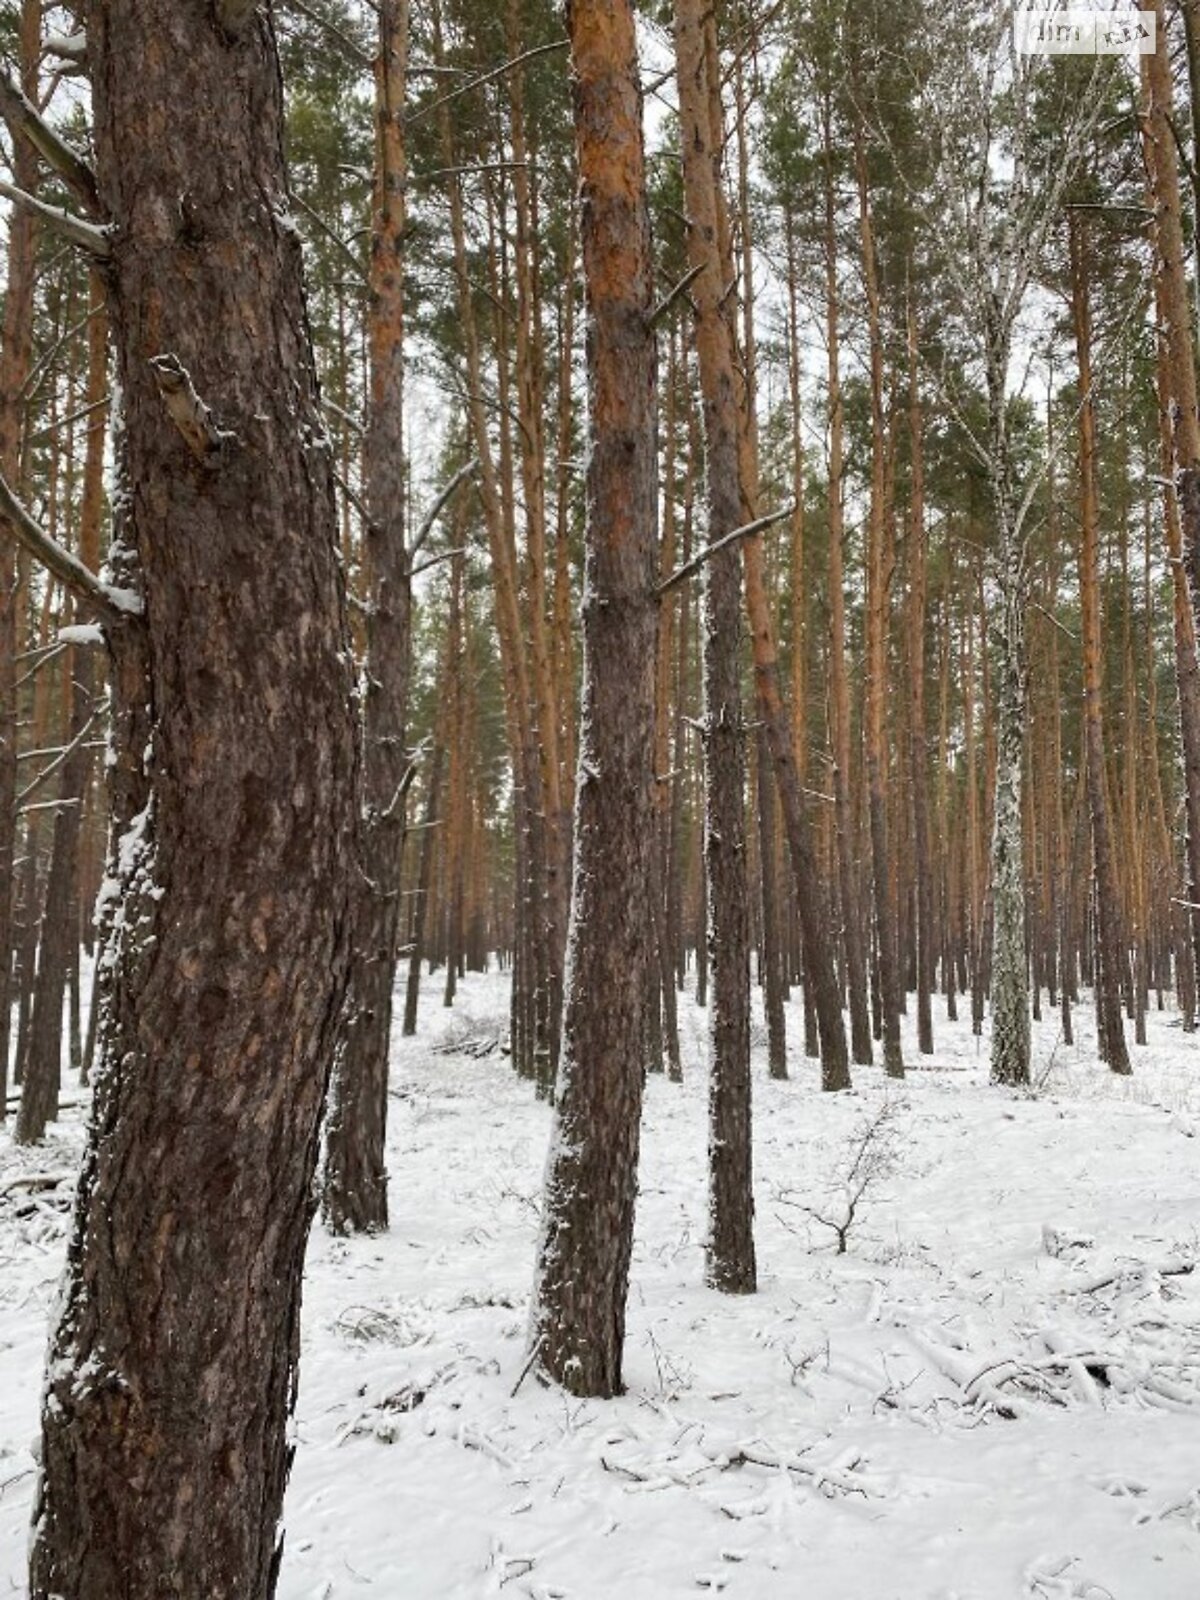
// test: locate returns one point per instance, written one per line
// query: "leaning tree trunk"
(173, 1362)
(578, 1325)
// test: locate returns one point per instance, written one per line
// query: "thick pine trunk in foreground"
(355, 1192)
(173, 1363)
(583, 1259)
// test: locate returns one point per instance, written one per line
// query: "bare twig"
(501, 71)
(439, 505)
(672, 295)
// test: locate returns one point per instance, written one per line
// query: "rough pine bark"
(582, 1278)
(173, 1361)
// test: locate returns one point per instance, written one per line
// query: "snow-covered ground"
(994, 1393)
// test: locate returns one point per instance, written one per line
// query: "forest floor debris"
(993, 1393)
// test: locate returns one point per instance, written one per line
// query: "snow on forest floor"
(995, 1392)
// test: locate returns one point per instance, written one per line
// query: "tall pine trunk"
(879, 568)
(173, 1362)
(839, 689)
(918, 750)
(355, 1192)
(578, 1327)
(1111, 941)
(730, 1258)
(15, 352)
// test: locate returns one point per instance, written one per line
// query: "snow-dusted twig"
(111, 605)
(26, 123)
(75, 230)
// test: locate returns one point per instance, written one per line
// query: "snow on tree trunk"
(173, 1360)
(578, 1324)
(1010, 976)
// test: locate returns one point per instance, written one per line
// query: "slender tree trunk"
(458, 737)
(355, 1193)
(172, 1366)
(15, 349)
(1109, 931)
(1011, 1041)
(878, 581)
(810, 891)
(1180, 414)
(665, 780)
(839, 690)
(60, 920)
(530, 383)
(919, 759)
(1187, 669)
(422, 892)
(730, 1257)
(583, 1258)
(772, 944)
